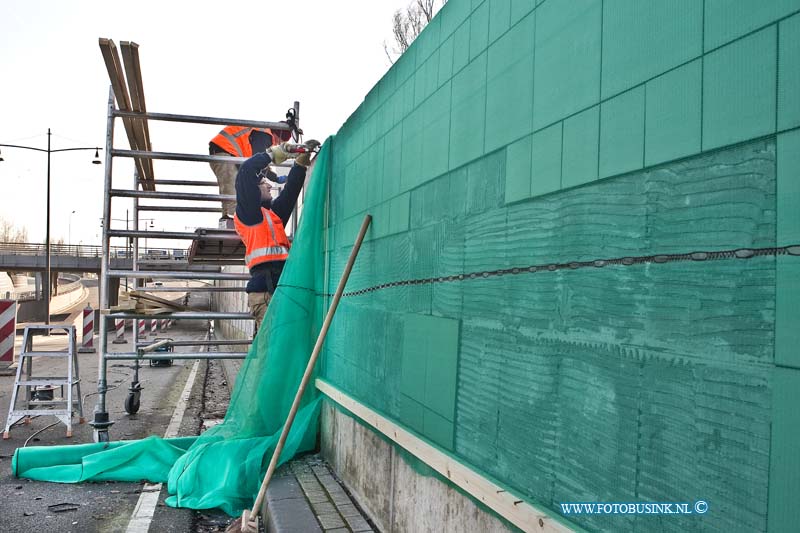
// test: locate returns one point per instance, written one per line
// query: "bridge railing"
(74, 250)
(90, 251)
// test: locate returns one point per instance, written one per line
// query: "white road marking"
(148, 499)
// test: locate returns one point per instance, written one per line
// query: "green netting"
(224, 466)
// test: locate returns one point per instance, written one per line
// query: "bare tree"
(9, 232)
(407, 24)
(427, 8)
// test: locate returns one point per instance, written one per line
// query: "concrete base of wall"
(397, 499)
(232, 302)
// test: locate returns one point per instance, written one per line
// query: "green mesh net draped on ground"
(224, 466)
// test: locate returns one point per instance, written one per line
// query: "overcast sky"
(249, 59)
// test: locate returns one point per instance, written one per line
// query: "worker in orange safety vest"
(260, 221)
(239, 141)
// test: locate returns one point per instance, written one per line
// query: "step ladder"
(33, 386)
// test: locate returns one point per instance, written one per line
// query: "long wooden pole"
(250, 518)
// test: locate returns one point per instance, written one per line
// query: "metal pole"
(166, 195)
(221, 342)
(135, 387)
(168, 117)
(128, 247)
(101, 421)
(47, 238)
(175, 156)
(69, 230)
(179, 208)
(119, 356)
(187, 315)
(176, 274)
(186, 182)
(226, 235)
(296, 210)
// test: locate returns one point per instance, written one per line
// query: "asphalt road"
(27, 506)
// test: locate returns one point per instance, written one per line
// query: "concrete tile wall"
(517, 132)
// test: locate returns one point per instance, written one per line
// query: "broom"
(248, 522)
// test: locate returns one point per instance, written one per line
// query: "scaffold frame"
(126, 102)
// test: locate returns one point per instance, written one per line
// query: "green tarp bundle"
(224, 466)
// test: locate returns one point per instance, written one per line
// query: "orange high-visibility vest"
(236, 140)
(265, 241)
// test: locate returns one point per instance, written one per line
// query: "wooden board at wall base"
(506, 504)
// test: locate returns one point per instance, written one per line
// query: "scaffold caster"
(132, 400)
(101, 436)
(132, 403)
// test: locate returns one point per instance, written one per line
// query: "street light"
(49, 151)
(69, 237)
(151, 226)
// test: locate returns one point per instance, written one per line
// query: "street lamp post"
(96, 161)
(69, 233)
(146, 227)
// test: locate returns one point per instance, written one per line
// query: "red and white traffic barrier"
(8, 327)
(153, 327)
(87, 343)
(142, 329)
(162, 325)
(119, 326)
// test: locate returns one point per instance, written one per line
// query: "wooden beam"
(133, 73)
(114, 68)
(508, 505)
(162, 301)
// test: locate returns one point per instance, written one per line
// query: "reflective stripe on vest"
(271, 227)
(233, 139)
(265, 252)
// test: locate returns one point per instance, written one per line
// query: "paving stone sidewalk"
(305, 497)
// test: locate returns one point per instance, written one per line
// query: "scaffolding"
(211, 247)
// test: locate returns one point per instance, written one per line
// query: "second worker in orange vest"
(238, 141)
(260, 221)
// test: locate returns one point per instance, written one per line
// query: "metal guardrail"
(25, 296)
(73, 285)
(66, 284)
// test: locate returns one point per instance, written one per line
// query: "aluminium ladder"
(211, 247)
(35, 386)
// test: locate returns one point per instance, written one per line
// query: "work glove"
(304, 159)
(278, 153)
